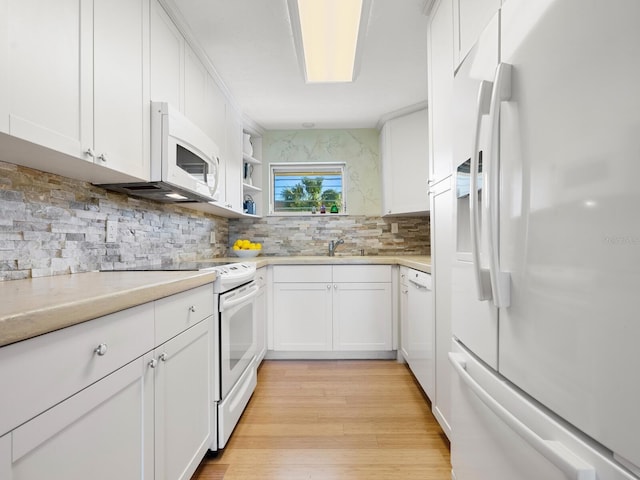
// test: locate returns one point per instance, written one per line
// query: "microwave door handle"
(500, 281)
(216, 177)
(483, 280)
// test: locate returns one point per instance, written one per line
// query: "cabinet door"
(404, 318)
(471, 18)
(232, 159)
(406, 163)
(260, 311)
(440, 91)
(103, 432)
(441, 265)
(195, 82)
(302, 316)
(166, 75)
(362, 316)
(121, 96)
(46, 78)
(183, 402)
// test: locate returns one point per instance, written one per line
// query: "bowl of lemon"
(246, 248)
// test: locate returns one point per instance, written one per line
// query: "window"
(304, 188)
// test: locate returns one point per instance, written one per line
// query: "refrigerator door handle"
(500, 281)
(483, 280)
(564, 459)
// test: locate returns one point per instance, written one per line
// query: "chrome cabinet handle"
(153, 363)
(335, 287)
(100, 350)
(90, 153)
(328, 287)
(163, 357)
(102, 157)
(192, 309)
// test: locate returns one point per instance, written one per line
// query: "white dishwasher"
(421, 325)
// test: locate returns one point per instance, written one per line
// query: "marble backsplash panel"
(311, 235)
(358, 148)
(52, 225)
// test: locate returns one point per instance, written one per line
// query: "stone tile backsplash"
(311, 235)
(51, 225)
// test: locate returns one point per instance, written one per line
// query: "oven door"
(238, 344)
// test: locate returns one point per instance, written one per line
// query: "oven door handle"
(247, 295)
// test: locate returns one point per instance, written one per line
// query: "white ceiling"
(251, 44)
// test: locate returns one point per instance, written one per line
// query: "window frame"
(302, 167)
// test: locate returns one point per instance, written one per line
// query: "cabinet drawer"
(176, 313)
(40, 372)
(302, 273)
(362, 273)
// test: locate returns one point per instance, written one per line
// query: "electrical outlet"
(212, 238)
(112, 231)
(394, 228)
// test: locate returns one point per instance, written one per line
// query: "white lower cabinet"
(403, 345)
(260, 311)
(303, 316)
(182, 402)
(332, 308)
(362, 317)
(118, 413)
(100, 433)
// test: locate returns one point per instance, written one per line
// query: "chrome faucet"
(333, 245)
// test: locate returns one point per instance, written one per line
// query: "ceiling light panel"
(329, 31)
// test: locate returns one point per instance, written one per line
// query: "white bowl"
(246, 253)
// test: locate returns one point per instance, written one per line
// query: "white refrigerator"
(546, 278)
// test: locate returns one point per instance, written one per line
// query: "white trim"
(400, 113)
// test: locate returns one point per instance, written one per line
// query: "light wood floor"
(323, 420)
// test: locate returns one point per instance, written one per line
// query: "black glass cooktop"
(182, 266)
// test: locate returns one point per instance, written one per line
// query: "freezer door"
(499, 434)
(570, 224)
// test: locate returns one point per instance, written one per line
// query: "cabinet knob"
(153, 363)
(192, 309)
(102, 157)
(163, 357)
(100, 350)
(335, 287)
(90, 153)
(328, 287)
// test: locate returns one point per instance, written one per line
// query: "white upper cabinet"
(46, 65)
(440, 93)
(72, 85)
(233, 161)
(404, 148)
(46, 80)
(167, 59)
(471, 17)
(121, 77)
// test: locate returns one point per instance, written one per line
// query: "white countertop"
(36, 306)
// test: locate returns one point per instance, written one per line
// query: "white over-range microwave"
(185, 162)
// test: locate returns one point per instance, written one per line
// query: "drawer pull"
(101, 350)
(192, 309)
